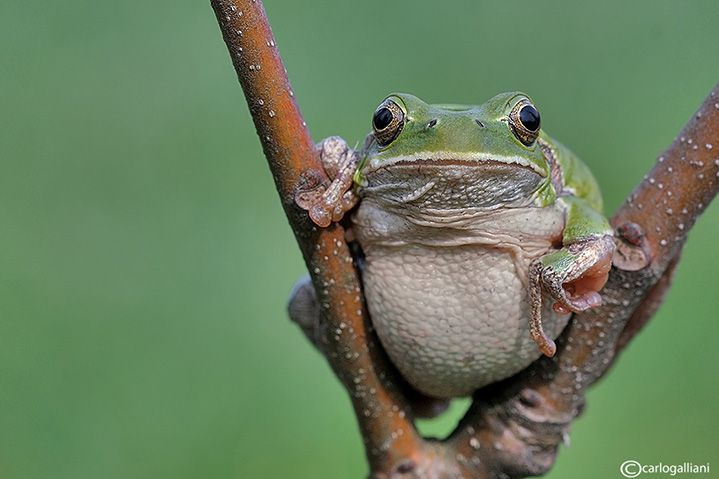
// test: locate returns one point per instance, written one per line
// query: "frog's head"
(456, 155)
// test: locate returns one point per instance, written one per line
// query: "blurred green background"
(145, 259)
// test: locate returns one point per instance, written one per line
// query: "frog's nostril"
(481, 125)
(432, 123)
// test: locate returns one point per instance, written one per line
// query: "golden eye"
(387, 122)
(524, 122)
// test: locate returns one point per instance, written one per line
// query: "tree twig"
(386, 424)
(513, 428)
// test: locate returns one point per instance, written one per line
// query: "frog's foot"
(328, 202)
(304, 310)
(573, 276)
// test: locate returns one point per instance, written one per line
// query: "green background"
(145, 261)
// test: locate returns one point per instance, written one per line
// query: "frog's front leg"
(329, 202)
(574, 275)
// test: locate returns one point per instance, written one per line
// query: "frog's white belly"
(452, 319)
(447, 289)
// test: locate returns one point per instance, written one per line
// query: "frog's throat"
(445, 158)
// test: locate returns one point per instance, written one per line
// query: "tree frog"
(480, 235)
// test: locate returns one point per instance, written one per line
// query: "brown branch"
(386, 425)
(513, 428)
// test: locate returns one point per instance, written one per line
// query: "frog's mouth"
(443, 159)
(452, 182)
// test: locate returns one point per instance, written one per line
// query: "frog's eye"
(524, 122)
(387, 122)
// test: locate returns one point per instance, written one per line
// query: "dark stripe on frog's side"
(555, 170)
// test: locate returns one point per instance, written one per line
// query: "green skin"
(449, 175)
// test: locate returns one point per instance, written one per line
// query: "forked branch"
(513, 428)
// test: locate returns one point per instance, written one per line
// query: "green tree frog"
(480, 235)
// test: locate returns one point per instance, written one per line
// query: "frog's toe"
(321, 214)
(577, 304)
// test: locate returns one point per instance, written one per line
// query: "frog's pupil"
(382, 118)
(529, 116)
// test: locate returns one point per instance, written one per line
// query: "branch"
(352, 351)
(514, 427)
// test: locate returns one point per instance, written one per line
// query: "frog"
(479, 236)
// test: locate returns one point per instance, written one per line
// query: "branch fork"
(513, 428)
